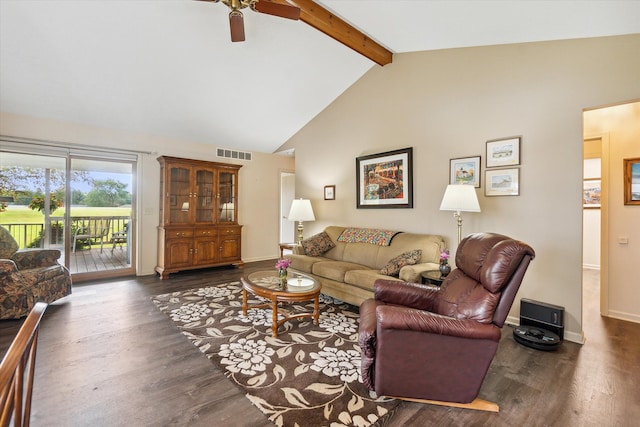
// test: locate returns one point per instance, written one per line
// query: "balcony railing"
(32, 235)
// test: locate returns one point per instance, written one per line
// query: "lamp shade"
(227, 213)
(301, 210)
(460, 198)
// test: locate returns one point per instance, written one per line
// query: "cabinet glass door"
(227, 197)
(204, 192)
(180, 196)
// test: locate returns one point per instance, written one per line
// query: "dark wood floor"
(108, 357)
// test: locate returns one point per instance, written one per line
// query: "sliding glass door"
(80, 203)
(100, 216)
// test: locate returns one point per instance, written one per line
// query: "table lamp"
(301, 210)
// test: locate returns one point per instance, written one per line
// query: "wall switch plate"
(623, 240)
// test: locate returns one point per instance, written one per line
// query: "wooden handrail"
(20, 357)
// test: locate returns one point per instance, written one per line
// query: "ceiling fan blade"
(277, 9)
(236, 22)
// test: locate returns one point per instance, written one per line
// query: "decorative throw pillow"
(8, 245)
(317, 245)
(408, 258)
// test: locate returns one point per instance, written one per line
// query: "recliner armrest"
(34, 258)
(402, 318)
(7, 266)
(407, 294)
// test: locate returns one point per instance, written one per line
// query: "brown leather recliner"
(429, 343)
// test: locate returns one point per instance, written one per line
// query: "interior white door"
(287, 194)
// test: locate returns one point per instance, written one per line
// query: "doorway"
(616, 129)
(593, 205)
(287, 194)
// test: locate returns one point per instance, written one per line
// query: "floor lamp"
(301, 210)
(460, 198)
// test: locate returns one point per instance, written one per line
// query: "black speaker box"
(542, 316)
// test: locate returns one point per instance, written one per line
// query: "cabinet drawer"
(179, 233)
(229, 231)
(206, 232)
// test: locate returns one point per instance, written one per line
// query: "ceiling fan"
(236, 20)
(315, 15)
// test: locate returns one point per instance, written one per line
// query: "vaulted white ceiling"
(168, 67)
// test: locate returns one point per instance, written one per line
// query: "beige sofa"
(348, 270)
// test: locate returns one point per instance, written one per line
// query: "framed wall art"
(329, 192)
(591, 189)
(465, 170)
(502, 182)
(385, 180)
(503, 152)
(632, 181)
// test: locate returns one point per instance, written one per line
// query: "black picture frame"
(385, 180)
(329, 192)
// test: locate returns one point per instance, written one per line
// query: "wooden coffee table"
(266, 284)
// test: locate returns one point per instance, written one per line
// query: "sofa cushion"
(364, 278)
(335, 270)
(317, 245)
(304, 263)
(395, 264)
(8, 245)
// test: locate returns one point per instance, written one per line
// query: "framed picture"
(502, 182)
(385, 180)
(465, 170)
(632, 181)
(503, 152)
(591, 193)
(329, 192)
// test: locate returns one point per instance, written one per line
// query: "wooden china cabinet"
(198, 215)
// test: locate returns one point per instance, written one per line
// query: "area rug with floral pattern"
(308, 376)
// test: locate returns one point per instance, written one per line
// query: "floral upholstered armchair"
(28, 276)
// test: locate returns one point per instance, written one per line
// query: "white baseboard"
(630, 317)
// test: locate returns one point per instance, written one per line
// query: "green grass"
(24, 215)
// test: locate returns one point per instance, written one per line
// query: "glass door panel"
(32, 199)
(227, 202)
(100, 217)
(204, 199)
(180, 195)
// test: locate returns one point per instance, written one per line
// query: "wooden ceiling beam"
(333, 26)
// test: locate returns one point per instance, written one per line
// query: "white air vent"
(233, 154)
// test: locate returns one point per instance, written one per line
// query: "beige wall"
(259, 194)
(447, 104)
(620, 128)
